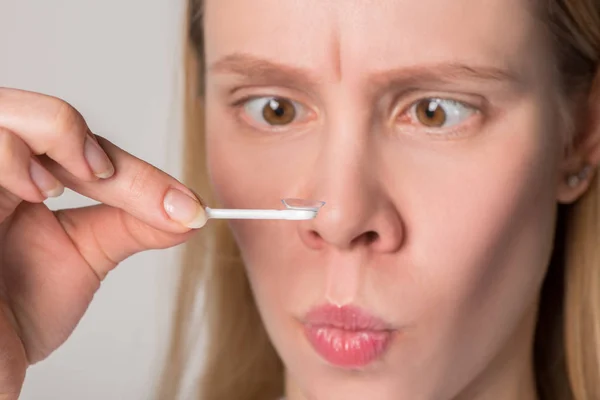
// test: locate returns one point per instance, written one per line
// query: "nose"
(359, 209)
(354, 220)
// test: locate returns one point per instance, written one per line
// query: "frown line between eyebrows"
(256, 70)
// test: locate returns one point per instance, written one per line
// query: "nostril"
(314, 235)
(366, 238)
(315, 240)
(312, 239)
(371, 236)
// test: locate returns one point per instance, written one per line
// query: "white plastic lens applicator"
(295, 209)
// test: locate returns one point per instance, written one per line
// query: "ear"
(580, 161)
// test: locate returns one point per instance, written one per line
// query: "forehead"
(354, 36)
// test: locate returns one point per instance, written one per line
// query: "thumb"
(106, 235)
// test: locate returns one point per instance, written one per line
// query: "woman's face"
(430, 130)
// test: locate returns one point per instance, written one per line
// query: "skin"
(444, 232)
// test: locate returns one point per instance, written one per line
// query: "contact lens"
(302, 204)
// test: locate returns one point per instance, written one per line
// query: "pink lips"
(346, 336)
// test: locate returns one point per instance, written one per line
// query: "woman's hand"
(52, 263)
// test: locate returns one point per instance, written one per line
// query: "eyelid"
(247, 93)
(243, 93)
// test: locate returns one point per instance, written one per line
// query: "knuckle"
(66, 222)
(66, 119)
(141, 235)
(76, 232)
(140, 180)
(9, 154)
(134, 227)
(8, 200)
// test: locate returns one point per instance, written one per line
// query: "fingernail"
(184, 209)
(97, 159)
(45, 181)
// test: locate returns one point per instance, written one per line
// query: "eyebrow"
(266, 71)
(258, 69)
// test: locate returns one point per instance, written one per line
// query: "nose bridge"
(345, 178)
(347, 145)
(358, 210)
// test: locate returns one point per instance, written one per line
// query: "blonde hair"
(240, 362)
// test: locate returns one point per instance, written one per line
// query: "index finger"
(140, 189)
(51, 126)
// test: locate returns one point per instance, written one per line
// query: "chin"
(354, 386)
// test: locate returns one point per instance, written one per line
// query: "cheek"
(483, 235)
(252, 169)
(491, 243)
(500, 225)
(255, 170)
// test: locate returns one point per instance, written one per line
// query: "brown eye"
(441, 113)
(278, 111)
(430, 113)
(275, 113)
